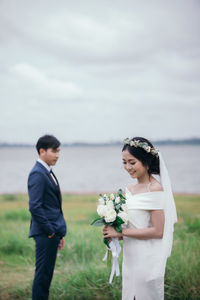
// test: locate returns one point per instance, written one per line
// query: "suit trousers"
(46, 251)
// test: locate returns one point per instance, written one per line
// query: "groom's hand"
(50, 236)
(61, 244)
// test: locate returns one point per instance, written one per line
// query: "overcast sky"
(99, 70)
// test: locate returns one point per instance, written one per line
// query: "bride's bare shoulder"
(156, 187)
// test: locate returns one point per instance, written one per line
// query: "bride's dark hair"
(147, 159)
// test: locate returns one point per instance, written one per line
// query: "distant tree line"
(191, 141)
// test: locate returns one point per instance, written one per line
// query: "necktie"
(58, 187)
(54, 177)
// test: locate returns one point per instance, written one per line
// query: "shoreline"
(97, 193)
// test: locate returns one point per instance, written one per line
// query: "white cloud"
(41, 81)
(99, 70)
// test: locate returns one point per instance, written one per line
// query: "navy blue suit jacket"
(45, 203)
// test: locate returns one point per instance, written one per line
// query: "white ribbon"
(115, 248)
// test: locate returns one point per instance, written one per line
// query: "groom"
(48, 226)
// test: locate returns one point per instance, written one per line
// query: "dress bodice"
(140, 206)
(139, 218)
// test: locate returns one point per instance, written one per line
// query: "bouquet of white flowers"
(112, 210)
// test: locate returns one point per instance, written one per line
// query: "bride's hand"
(110, 232)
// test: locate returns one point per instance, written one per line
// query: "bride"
(148, 236)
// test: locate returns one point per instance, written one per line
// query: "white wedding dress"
(144, 261)
(142, 270)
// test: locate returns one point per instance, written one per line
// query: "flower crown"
(143, 145)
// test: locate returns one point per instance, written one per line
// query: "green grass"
(80, 273)
(14, 215)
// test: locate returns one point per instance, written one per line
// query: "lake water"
(97, 169)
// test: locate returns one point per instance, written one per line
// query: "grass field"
(80, 273)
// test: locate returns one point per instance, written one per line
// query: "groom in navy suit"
(48, 226)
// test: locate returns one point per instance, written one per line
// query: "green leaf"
(118, 228)
(120, 194)
(118, 206)
(98, 222)
(119, 221)
(106, 243)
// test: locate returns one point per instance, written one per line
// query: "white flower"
(147, 148)
(126, 141)
(101, 210)
(137, 141)
(124, 207)
(154, 151)
(110, 204)
(123, 216)
(101, 201)
(112, 196)
(117, 200)
(110, 215)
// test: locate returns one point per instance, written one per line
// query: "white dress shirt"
(47, 167)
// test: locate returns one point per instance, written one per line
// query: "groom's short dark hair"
(47, 141)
